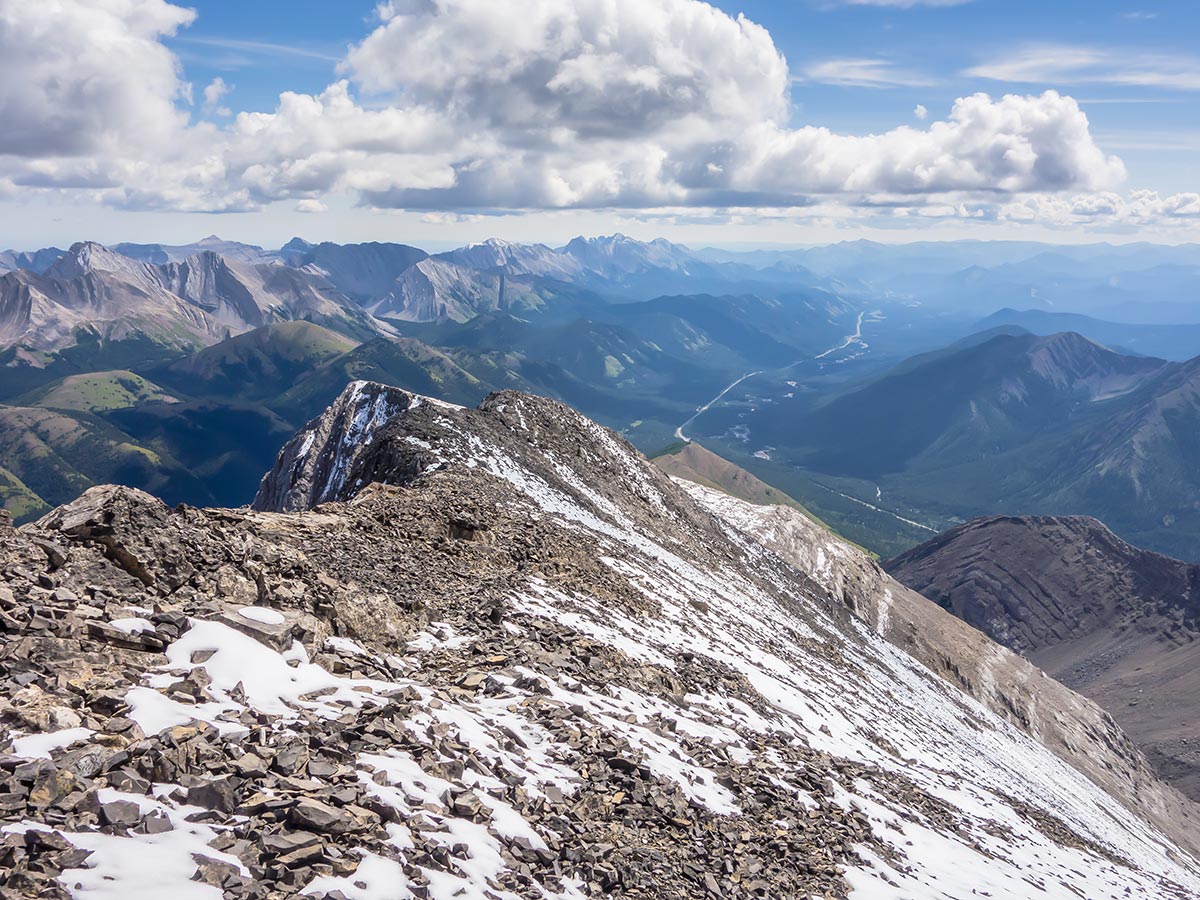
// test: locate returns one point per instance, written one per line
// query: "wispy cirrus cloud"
(1069, 64)
(1149, 139)
(864, 72)
(260, 48)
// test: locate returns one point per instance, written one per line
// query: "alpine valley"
(181, 369)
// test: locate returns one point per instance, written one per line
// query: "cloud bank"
(498, 105)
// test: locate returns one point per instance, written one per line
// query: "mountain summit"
(496, 652)
(516, 451)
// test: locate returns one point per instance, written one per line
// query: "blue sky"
(853, 68)
(269, 46)
(944, 43)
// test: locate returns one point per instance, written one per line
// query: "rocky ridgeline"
(271, 801)
(493, 654)
(1033, 582)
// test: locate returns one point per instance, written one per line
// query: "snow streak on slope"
(587, 539)
(251, 678)
(846, 691)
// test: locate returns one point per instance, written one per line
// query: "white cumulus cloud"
(1107, 209)
(592, 68)
(82, 77)
(214, 92)
(1015, 144)
(477, 106)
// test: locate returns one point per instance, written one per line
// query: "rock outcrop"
(495, 653)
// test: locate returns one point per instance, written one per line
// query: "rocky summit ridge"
(494, 653)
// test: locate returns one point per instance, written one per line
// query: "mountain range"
(1171, 341)
(94, 295)
(1135, 283)
(190, 296)
(199, 357)
(1011, 422)
(782, 360)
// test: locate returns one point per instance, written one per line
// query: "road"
(849, 340)
(700, 410)
(879, 509)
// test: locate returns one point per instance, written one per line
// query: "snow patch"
(132, 625)
(262, 615)
(40, 746)
(142, 866)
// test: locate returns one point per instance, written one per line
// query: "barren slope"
(530, 665)
(1114, 622)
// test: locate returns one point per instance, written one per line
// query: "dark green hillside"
(58, 454)
(226, 445)
(256, 365)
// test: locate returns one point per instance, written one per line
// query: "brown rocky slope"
(495, 653)
(1114, 622)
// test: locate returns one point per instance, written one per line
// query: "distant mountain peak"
(617, 254)
(86, 257)
(1068, 359)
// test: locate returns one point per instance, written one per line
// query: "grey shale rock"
(1117, 623)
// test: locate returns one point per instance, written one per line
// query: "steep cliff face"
(364, 271)
(494, 652)
(1110, 620)
(207, 281)
(106, 295)
(16, 308)
(319, 463)
(1033, 582)
(243, 295)
(438, 289)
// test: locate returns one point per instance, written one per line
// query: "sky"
(438, 122)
